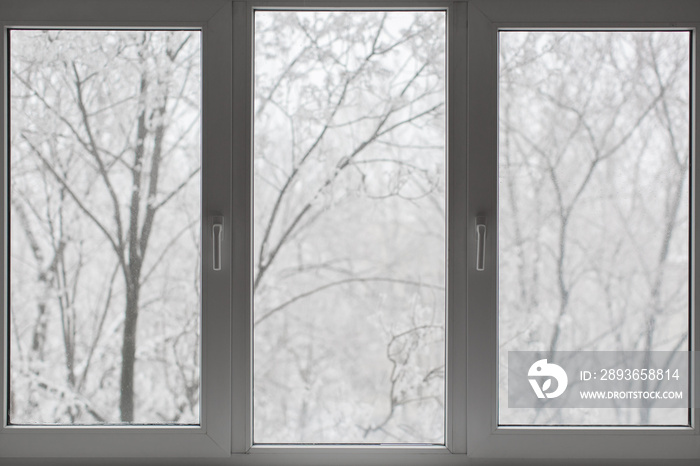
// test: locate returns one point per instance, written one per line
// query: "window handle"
(217, 232)
(480, 242)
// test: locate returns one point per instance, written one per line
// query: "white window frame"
(212, 437)
(486, 439)
(455, 386)
(472, 434)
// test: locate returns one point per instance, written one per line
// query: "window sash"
(212, 436)
(485, 437)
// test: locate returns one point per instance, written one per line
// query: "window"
(349, 230)
(69, 226)
(603, 171)
(110, 131)
(362, 215)
(510, 433)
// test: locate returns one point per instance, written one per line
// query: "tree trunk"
(126, 402)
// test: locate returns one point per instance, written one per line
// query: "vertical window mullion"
(241, 225)
(458, 229)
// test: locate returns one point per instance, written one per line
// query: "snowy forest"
(593, 203)
(349, 219)
(349, 227)
(104, 224)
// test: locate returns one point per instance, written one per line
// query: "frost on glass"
(349, 227)
(593, 203)
(104, 222)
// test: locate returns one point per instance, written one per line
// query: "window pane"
(349, 239)
(594, 176)
(105, 160)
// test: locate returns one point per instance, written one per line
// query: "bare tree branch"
(282, 306)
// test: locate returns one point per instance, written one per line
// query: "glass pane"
(594, 176)
(105, 158)
(349, 239)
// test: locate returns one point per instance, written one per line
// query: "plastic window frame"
(455, 411)
(212, 437)
(486, 439)
(472, 433)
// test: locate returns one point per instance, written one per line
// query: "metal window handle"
(480, 242)
(217, 232)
